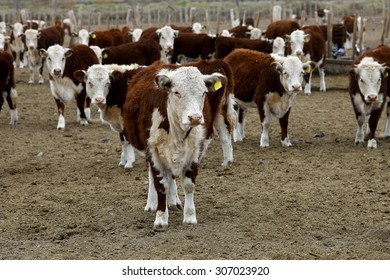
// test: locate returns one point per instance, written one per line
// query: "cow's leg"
(373, 123)
(127, 154)
(173, 199)
(11, 100)
(239, 129)
(387, 127)
(40, 73)
(87, 108)
(81, 116)
(359, 138)
(160, 183)
(61, 109)
(32, 73)
(283, 121)
(321, 72)
(308, 84)
(21, 60)
(189, 212)
(151, 202)
(265, 119)
(225, 139)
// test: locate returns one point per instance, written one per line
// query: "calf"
(61, 64)
(17, 45)
(165, 116)
(105, 38)
(106, 86)
(36, 40)
(165, 36)
(309, 46)
(191, 46)
(143, 52)
(270, 83)
(7, 85)
(369, 87)
(225, 45)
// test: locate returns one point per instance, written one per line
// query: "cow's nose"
(31, 47)
(372, 98)
(195, 119)
(57, 72)
(296, 87)
(100, 100)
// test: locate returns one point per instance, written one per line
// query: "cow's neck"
(279, 105)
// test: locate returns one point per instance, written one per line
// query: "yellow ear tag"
(93, 36)
(307, 70)
(105, 55)
(386, 74)
(217, 85)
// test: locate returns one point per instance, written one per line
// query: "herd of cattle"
(167, 90)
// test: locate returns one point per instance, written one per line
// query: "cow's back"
(7, 79)
(81, 58)
(281, 28)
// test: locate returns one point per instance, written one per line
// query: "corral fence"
(101, 14)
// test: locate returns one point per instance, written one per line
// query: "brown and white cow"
(62, 63)
(192, 46)
(349, 22)
(5, 43)
(268, 82)
(166, 117)
(7, 85)
(309, 45)
(143, 52)
(369, 89)
(280, 28)
(106, 86)
(165, 36)
(104, 38)
(17, 44)
(35, 40)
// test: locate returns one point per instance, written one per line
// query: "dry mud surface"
(63, 195)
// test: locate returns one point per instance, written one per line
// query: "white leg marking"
(14, 117)
(286, 142)
(161, 219)
(387, 127)
(61, 122)
(88, 113)
(372, 144)
(189, 205)
(173, 200)
(359, 139)
(321, 71)
(264, 138)
(129, 156)
(151, 203)
(225, 139)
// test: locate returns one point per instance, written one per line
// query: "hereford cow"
(270, 82)
(309, 46)
(106, 86)
(143, 52)
(349, 22)
(17, 44)
(225, 45)
(369, 89)
(62, 63)
(241, 31)
(280, 28)
(105, 38)
(165, 36)
(5, 44)
(192, 46)
(36, 40)
(7, 85)
(166, 117)
(339, 33)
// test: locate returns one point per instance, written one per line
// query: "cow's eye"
(361, 80)
(177, 94)
(108, 84)
(90, 84)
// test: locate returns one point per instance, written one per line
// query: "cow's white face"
(197, 28)
(31, 37)
(166, 37)
(369, 74)
(83, 37)
(3, 28)
(291, 71)
(278, 46)
(136, 34)
(97, 81)
(17, 30)
(99, 52)
(187, 88)
(255, 33)
(55, 59)
(3, 41)
(297, 39)
(226, 33)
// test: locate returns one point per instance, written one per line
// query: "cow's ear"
(80, 75)
(385, 72)
(306, 38)
(278, 66)
(286, 38)
(163, 82)
(74, 34)
(116, 75)
(68, 53)
(42, 53)
(7, 39)
(353, 72)
(175, 33)
(38, 35)
(214, 82)
(158, 32)
(308, 66)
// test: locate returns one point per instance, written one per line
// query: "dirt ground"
(63, 196)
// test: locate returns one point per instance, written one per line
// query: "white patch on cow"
(197, 27)
(3, 27)
(166, 37)
(98, 52)
(372, 144)
(61, 121)
(255, 33)
(278, 46)
(226, 33)
(14, 116)
(136, 34)
(83, 37)
(387, 127)
(161, 219)
(225, 139)
(151, 203)
(189, 210)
